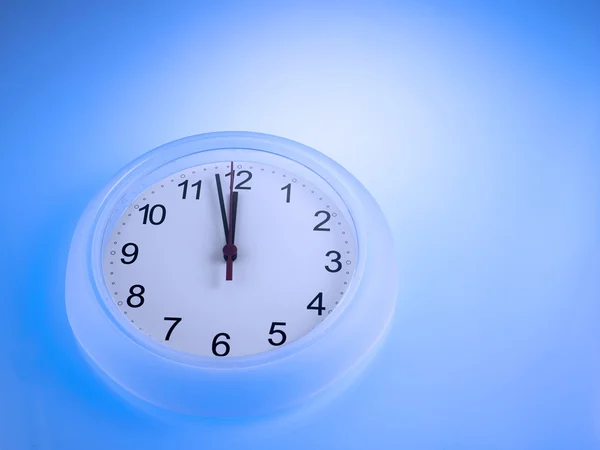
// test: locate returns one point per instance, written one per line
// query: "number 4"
(319, 307)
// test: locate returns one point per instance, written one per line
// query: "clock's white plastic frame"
(234, 386)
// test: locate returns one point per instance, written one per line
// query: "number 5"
(280, 332)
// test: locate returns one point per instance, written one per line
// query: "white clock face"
(224, 272)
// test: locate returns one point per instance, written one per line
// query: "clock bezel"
(137, 181)
(234, 386)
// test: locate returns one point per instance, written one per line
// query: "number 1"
(287, 187)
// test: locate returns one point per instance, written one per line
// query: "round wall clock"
(230, 274)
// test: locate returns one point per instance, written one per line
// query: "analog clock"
(230, 274)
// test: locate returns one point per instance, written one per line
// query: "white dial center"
(165, 269)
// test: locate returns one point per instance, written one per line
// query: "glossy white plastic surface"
(234, 386)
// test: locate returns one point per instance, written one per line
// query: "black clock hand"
(233, 218)
(222, 205)
(230, 250)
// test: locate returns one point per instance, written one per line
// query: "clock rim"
(150, 165)
(227, 388)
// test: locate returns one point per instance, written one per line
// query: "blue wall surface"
(476, 126)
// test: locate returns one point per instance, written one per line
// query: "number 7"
(175, 323)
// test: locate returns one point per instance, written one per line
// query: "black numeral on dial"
(288, 188)
(136, 295)
(133, 253)
(156, 215)
(197, 185)
(223, 344)
(335, 260)
(327, 217)
(176, 321)
(319, 301)
(241, 184)
(281, 333)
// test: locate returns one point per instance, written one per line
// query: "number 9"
(132, 255)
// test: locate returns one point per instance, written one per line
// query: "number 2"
(327, 217)
(241, 184)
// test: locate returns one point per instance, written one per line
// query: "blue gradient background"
(476, 126)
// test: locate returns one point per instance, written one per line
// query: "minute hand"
(222, 206)
(230, 250)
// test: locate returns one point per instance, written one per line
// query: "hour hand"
(234, 217)
(230, 250)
